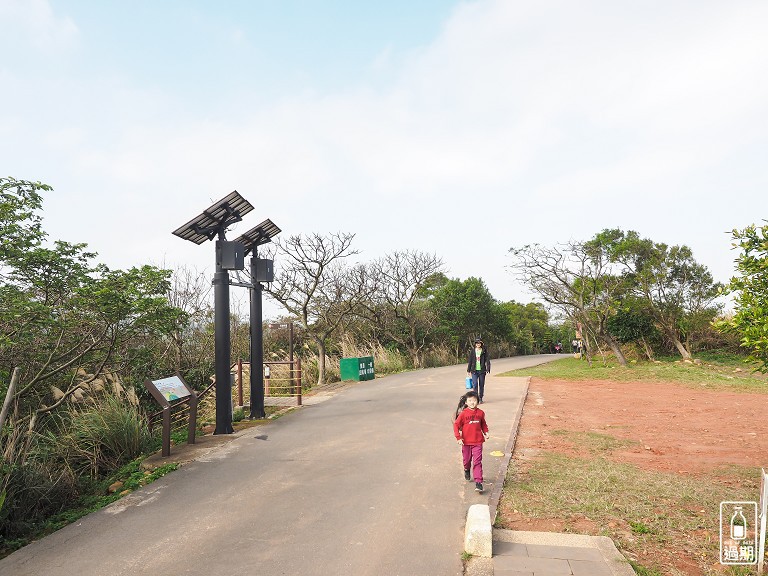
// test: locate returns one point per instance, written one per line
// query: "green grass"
(643, 571)
(640, 528)
(727, 373)
(740, 571)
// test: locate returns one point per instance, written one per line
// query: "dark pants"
(472, 455)
(478, 382)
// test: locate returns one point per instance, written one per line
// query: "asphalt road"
(368, 482)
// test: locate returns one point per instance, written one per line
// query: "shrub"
(390, 360)
(309, 371)
(439, 356)
(98, 437)
(238, 415)
(32, 493)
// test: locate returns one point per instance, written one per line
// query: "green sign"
(357, 368)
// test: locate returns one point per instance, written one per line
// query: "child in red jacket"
(471, 431)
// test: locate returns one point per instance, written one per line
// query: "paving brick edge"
(498, 485)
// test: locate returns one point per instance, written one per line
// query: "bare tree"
(315, 286)
(578, 279)
(397, 305)
(190, 292)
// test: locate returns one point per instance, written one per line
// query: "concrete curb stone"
(478, 534)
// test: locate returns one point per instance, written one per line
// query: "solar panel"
(218, 217)
(258, 235)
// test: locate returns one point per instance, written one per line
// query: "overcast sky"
(459, 128)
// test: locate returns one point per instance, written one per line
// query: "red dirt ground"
(679, 429)
(672, 427)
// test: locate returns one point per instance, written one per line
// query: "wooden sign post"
(169, 392)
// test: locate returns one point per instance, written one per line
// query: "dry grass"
(594, 441)
(662, 521)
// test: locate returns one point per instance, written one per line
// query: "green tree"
(64, 315)
(679, 293)
(68, 324)
(633, 323)
(20, 221)
(60, 313)
(529, 324)
(750, 319)
(465, 310)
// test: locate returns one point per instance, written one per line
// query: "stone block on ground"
(478, 535)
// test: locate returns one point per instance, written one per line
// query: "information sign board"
(172, 392)
(172, 388)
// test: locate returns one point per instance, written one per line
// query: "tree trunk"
(600, 351)
(320, 361)
(177, 341)
(648, 351)
(616, 349)
(586, 348)
(414, 352)
(9, 396)
(678, 344)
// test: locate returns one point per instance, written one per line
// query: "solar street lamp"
(261, 271)
(213, 223)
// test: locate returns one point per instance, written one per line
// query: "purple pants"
(473, 453)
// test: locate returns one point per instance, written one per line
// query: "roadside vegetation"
(79, 338)
(95, 496)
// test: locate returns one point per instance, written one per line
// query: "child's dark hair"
(463, 402)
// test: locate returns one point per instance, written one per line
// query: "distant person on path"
(478, 365)
(471, 430)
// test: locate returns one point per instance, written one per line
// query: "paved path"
(552, 554)
(366, 483)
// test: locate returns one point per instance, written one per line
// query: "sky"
(459, 128)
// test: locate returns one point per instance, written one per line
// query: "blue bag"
(468, 383)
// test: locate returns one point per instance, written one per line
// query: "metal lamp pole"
(257, 346)
(222, 344)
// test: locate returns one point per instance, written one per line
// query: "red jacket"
(470, 425)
